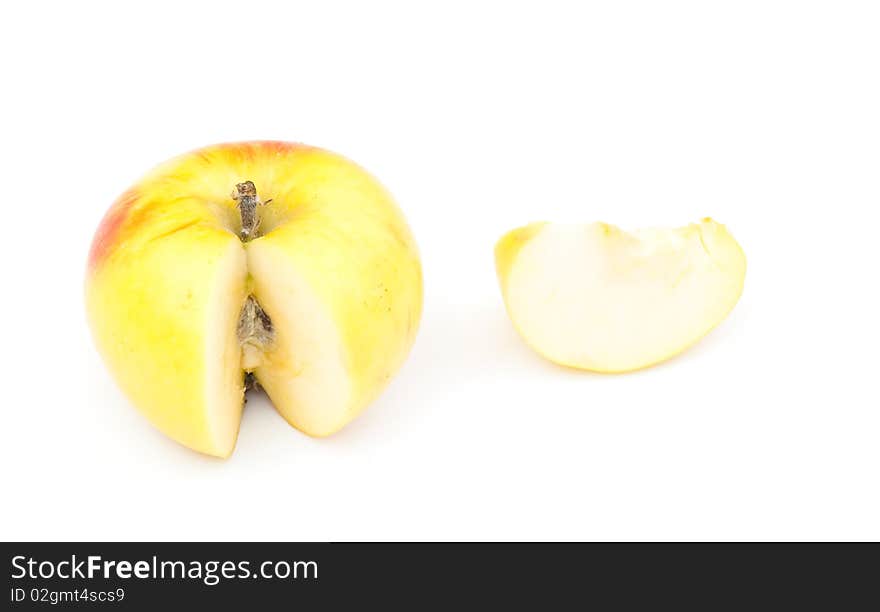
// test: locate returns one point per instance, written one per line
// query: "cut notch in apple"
(314, 291)
(597, 298)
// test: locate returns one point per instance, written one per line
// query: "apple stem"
(245, 194)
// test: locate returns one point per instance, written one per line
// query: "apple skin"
(166, 269)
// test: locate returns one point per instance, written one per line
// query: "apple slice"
(263, 260)
(597, 298)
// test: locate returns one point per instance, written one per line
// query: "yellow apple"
(597, 298)
(277, 260)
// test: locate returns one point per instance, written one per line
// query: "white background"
(479, 117)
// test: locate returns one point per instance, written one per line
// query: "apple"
(598, 298)
(260, 261)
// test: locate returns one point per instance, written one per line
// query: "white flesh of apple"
(305, 367)
(302, 368)
(223, 376)
(598, 298)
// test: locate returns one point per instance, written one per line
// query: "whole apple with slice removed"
(268, 260)
(598, 298)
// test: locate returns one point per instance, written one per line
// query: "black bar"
(458, 576)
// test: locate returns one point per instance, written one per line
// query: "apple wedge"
(598, 298)
(267, 261)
